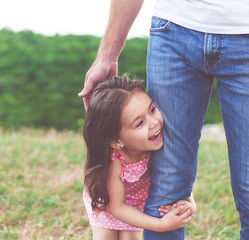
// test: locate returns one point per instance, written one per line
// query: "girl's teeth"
(155, 136)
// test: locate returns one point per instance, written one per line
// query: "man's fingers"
(88, 87)
(82, 94)
(86, 102)
(90, 81)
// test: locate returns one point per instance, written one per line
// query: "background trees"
(40, 77)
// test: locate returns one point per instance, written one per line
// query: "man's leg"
(181, 89)
(232, 72)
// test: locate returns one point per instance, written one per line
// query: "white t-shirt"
(210, 16)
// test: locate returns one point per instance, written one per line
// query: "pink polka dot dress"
(136, 179)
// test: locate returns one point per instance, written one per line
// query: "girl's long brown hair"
(102, 126)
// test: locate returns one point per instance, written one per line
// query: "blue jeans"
(181, 65)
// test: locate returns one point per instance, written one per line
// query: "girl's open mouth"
(156, 136)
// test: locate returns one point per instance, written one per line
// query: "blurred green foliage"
(40, 77)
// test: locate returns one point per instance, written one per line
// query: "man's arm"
(121, 18)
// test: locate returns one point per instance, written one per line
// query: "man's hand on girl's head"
(99, 71)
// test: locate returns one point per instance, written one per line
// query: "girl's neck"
(132, 157)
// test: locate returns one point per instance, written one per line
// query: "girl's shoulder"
(133, 171)
(116, 155)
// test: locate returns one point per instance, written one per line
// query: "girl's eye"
(153, 109)
(140, 124)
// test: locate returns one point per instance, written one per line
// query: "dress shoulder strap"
(116, 154)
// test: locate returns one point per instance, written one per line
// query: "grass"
(41, 188)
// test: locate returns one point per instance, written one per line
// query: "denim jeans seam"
(205, 53)
(207, 57)
(197, 142)
(217, 54)
(227, 130)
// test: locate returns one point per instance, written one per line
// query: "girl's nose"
(153, 122)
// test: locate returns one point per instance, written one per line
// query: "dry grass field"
(41, 188)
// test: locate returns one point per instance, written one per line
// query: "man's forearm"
(121, 18)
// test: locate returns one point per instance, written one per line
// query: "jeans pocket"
(159, 24)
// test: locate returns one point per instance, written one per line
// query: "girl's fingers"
(163, 213)
(186, 214)
(180, 202)
(187, 220)
(169, 207)
(163, 210)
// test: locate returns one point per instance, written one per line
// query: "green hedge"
(40, 77)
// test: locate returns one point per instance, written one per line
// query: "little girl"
(122, 126)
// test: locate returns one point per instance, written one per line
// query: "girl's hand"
(166, 208)
(176, 218)
(189, 203)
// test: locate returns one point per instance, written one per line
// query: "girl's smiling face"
(141, 123)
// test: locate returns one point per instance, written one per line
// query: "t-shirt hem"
(230, 30)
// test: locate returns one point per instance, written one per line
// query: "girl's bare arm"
(133, 216)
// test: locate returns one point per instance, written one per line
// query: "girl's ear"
(117, 144)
